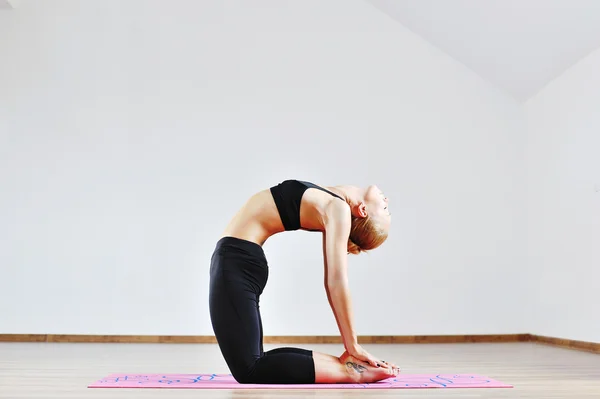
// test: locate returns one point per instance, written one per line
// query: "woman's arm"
(335, 253)
(335, 248)
(352, 341)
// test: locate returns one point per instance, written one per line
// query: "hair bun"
(353, 248)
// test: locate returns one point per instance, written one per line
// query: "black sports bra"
(287, 196)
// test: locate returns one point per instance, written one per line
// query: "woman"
(352, 220)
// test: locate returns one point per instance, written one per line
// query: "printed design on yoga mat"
(226, 381)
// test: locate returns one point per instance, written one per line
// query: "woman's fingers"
(373, 361)
(368, 359)
(392, 365)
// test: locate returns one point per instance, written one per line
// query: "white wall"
(564, 204)
(132, 131)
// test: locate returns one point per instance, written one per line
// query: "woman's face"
(377, 206)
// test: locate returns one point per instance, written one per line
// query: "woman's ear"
(362, 210)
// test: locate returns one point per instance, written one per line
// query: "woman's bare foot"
(361, 372)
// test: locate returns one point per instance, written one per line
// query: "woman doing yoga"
(352, 220)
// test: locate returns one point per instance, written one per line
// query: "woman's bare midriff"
(259, 219)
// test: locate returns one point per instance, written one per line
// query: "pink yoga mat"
(226, 381)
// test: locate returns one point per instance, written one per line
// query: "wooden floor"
(56, 370)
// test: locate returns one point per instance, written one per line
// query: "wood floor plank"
(63, 370)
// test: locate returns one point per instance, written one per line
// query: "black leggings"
(238, 275)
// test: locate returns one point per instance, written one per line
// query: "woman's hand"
(359, 353)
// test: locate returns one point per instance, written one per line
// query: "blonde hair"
(365, 235)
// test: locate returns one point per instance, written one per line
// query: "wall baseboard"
(308, 339)
(567, 343)
(23, 338)
(290, 339)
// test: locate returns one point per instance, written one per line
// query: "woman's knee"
(243, 374)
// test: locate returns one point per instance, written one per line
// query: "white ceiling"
(8, 4)
(518, 45)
